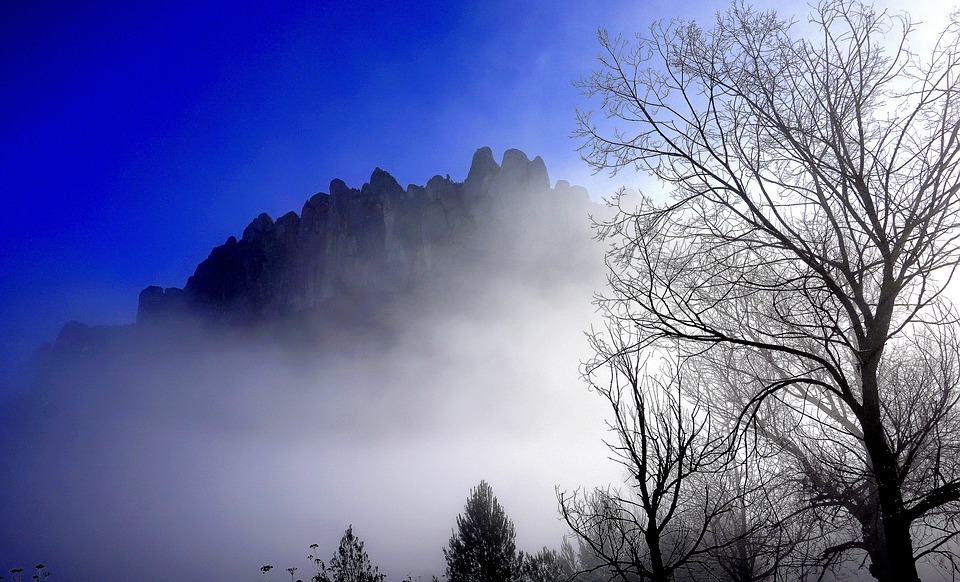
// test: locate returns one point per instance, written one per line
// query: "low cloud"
(172, 457)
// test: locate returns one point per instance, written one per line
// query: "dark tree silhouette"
(483, 547)
(660, 526)
(349, 564)
(801, 263)
(548, 565)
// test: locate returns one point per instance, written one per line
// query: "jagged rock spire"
(377, 239)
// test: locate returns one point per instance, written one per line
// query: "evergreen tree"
(350, 563)
(548, 565)
(483, 549)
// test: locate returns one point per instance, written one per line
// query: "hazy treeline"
(482, 548)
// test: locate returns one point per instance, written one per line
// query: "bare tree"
(650, 531)
(812, 230)
(765, 534)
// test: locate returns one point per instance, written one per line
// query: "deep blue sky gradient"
(136, 136)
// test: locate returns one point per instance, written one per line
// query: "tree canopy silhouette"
(349, 564)
(483, 547)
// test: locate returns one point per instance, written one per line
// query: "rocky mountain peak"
(382, 183)
(379, 239)
(482, 169)
(516, 171)
(261, 225)
(338, 188)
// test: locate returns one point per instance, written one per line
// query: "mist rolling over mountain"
(208, 367)
(366, 361)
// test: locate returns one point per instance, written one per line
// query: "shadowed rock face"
(369, 338)
(374, 241)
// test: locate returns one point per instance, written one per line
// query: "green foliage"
(483, 549)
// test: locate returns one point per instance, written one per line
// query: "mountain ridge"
(351, 255)
(377, 239)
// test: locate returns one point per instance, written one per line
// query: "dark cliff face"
(375, 241)
(379, 329)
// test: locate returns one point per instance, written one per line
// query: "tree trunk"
(652, 535)
(892, 560)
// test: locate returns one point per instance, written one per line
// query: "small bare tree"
(803, 256)
(668, 447)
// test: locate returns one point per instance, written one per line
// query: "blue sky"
(136, 136)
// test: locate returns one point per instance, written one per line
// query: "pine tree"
(548, 565)
(483, 549)
(350, 563)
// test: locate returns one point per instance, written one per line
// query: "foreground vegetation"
(482, 548)
(16, 574)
